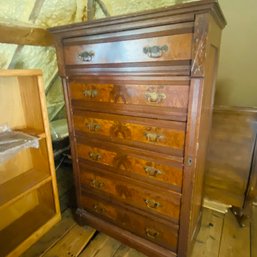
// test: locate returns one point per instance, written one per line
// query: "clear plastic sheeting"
(11, 142)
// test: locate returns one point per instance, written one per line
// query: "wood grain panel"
(230, 155)
(131, 192)
(130, 130)
(175, 47)
(164, 234)
(133, 165)
(175, 96)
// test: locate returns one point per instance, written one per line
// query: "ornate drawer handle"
(152, 203)
(94, 156)
(86, 56)
(96, 183)
(152, 233)
(93, 126)
(155, 51)
(98, 209)
(92, 93)
(153, 137)
(154, 97)
(151, 171)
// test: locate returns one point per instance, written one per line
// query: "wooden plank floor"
(219, 236)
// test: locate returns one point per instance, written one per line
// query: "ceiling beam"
(90, 9)
(22, 35)
(103, 7)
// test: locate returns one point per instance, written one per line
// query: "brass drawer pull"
(152, 233)
(154, 97)
(96, 183)
(153, 137)
(155, 51)
(93, 126)
(95, 156)
(98, 209)
(91, 93)
(151, 171)
(86, 56)
(152, 203)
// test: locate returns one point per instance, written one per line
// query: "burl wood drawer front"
(167, 97)
(132, 130)
(167, 101)
(164, 234)
(174, 47)
(152, 199)
(149, 169)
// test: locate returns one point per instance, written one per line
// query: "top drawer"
(154, 49)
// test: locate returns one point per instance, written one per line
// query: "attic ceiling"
(50, 13)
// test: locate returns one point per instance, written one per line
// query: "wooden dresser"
(139, 92)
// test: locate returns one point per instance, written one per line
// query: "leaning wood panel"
(230, 154)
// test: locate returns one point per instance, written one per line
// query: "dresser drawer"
(162, 233)
(146, 168)
(152, 199)
(169, 96)
(155, 49)
(167, 136)
(155, 99)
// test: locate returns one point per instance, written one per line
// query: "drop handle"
(152, 203)
(152, 233)
(96, 183)
(91, 93)
(151, 171)
(86, 56)
(154, 97)
(98, 209)
(95, 156)
(93, 126)
(153, 137)
(155, 51)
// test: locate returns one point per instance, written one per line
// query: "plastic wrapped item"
(11, 142)
(59, 129)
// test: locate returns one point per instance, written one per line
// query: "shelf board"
(17, 187)
(13, 235)
(32, 132)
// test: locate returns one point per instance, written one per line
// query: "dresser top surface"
(180, 12)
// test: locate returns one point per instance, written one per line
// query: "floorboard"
(219, 236)
(73, 243)
(208, 239)
(235, 240)
(52, 237)
(101, 246)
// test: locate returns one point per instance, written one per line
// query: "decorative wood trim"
(199, 49)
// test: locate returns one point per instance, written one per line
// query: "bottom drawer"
(161, 233)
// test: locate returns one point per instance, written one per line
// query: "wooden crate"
(29, 204)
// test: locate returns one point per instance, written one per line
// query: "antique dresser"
(139, 92)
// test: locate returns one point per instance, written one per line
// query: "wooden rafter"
(103, 7)
(21, 35)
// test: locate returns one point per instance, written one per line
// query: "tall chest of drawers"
(139, 93)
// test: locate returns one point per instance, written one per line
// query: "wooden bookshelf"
(29, 204)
